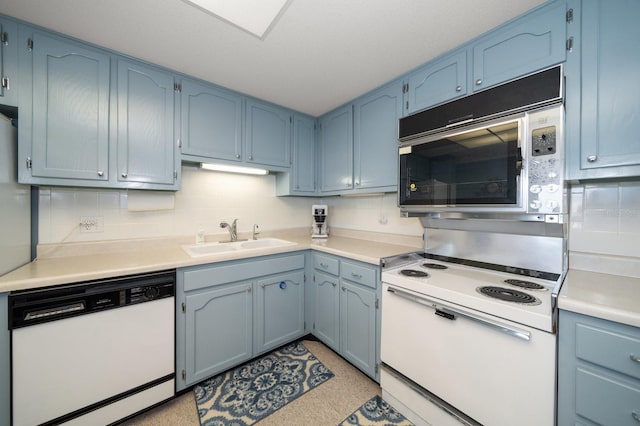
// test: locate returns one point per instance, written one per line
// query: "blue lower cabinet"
(230, 312)
(327, 308)
(347, 314)
(358, 326)
(219, 330)
(279, 310)
(598, 371)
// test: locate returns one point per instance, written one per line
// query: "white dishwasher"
(92, 353)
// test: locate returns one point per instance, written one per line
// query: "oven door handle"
(450, 314)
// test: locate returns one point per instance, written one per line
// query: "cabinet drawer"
(359, 274)
(606, 400)
(326, 264)
(210, 275)
(613, 349)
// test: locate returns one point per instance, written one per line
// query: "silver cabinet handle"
(333, 284)
(592, 158)
(358, 276)
(448, 313)
(344, 288)
(458, 88)
(100, 173)
(634, 358)
(237, 155)
(478, 82)
(635, 416)
(249, 289)
(324, 265)
(124, 175)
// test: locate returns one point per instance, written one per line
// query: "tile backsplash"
(206, 198)
(605, 226)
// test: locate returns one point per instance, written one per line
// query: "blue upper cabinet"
(336, 150)
(211, 124)
(146, 149)
(439, 81)
(267, 134)
(64, 120)
(8, 63)
(602, 85)
(375, 139)
(535, 41)
(301, 179)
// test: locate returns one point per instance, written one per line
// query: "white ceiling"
(318, 55)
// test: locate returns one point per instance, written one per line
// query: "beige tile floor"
(328, 404)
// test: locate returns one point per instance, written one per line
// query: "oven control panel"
(546, 162)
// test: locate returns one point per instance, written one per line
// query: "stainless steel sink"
(197, 250)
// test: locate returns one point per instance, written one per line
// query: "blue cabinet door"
(69, 124)
(218, 329)
(336, 150)
(279, 308)
(533, 42)
(327, 308)
(211, 124)
(603, 130)
(439, 81)
(8, 63)
(375, 139)
(267, 134)
(146, 148)
(358, 326)
(304, 154)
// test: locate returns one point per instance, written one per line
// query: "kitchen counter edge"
(605, 296)
(71, 269)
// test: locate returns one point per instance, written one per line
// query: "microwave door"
(480, 167)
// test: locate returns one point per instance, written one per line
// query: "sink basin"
(197, 250)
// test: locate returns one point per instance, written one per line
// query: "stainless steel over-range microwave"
(497, 153)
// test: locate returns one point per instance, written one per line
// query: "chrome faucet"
(233, 233)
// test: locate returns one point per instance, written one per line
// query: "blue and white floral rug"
(246, 394)
(376, 411)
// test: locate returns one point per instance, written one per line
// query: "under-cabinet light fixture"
(233, 169)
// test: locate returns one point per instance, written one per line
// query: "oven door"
(496, 372)
(463, 170)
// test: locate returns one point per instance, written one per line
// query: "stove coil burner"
(525, 284)
(434, 266)
(414, 273)
(508, 295)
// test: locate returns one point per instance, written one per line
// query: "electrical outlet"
(91, 224)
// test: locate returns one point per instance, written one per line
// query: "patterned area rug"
(246, 394)
(376, 412)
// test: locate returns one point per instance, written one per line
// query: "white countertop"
(83, 262)
(607, 296)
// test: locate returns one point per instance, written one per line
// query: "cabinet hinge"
(177, 87)
(30, 44)
(184, 375)
(377, 368)
(569, 16)
(175, 175)
(5, 83)
(377, 303)
(179, 143)
(184, 307)
(405, 88)
(406, 106)
(28, 162)
(4, 38)
(569, 44)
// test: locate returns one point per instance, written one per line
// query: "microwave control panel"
(546, 189)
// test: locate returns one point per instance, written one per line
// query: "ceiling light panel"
(253, 16)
